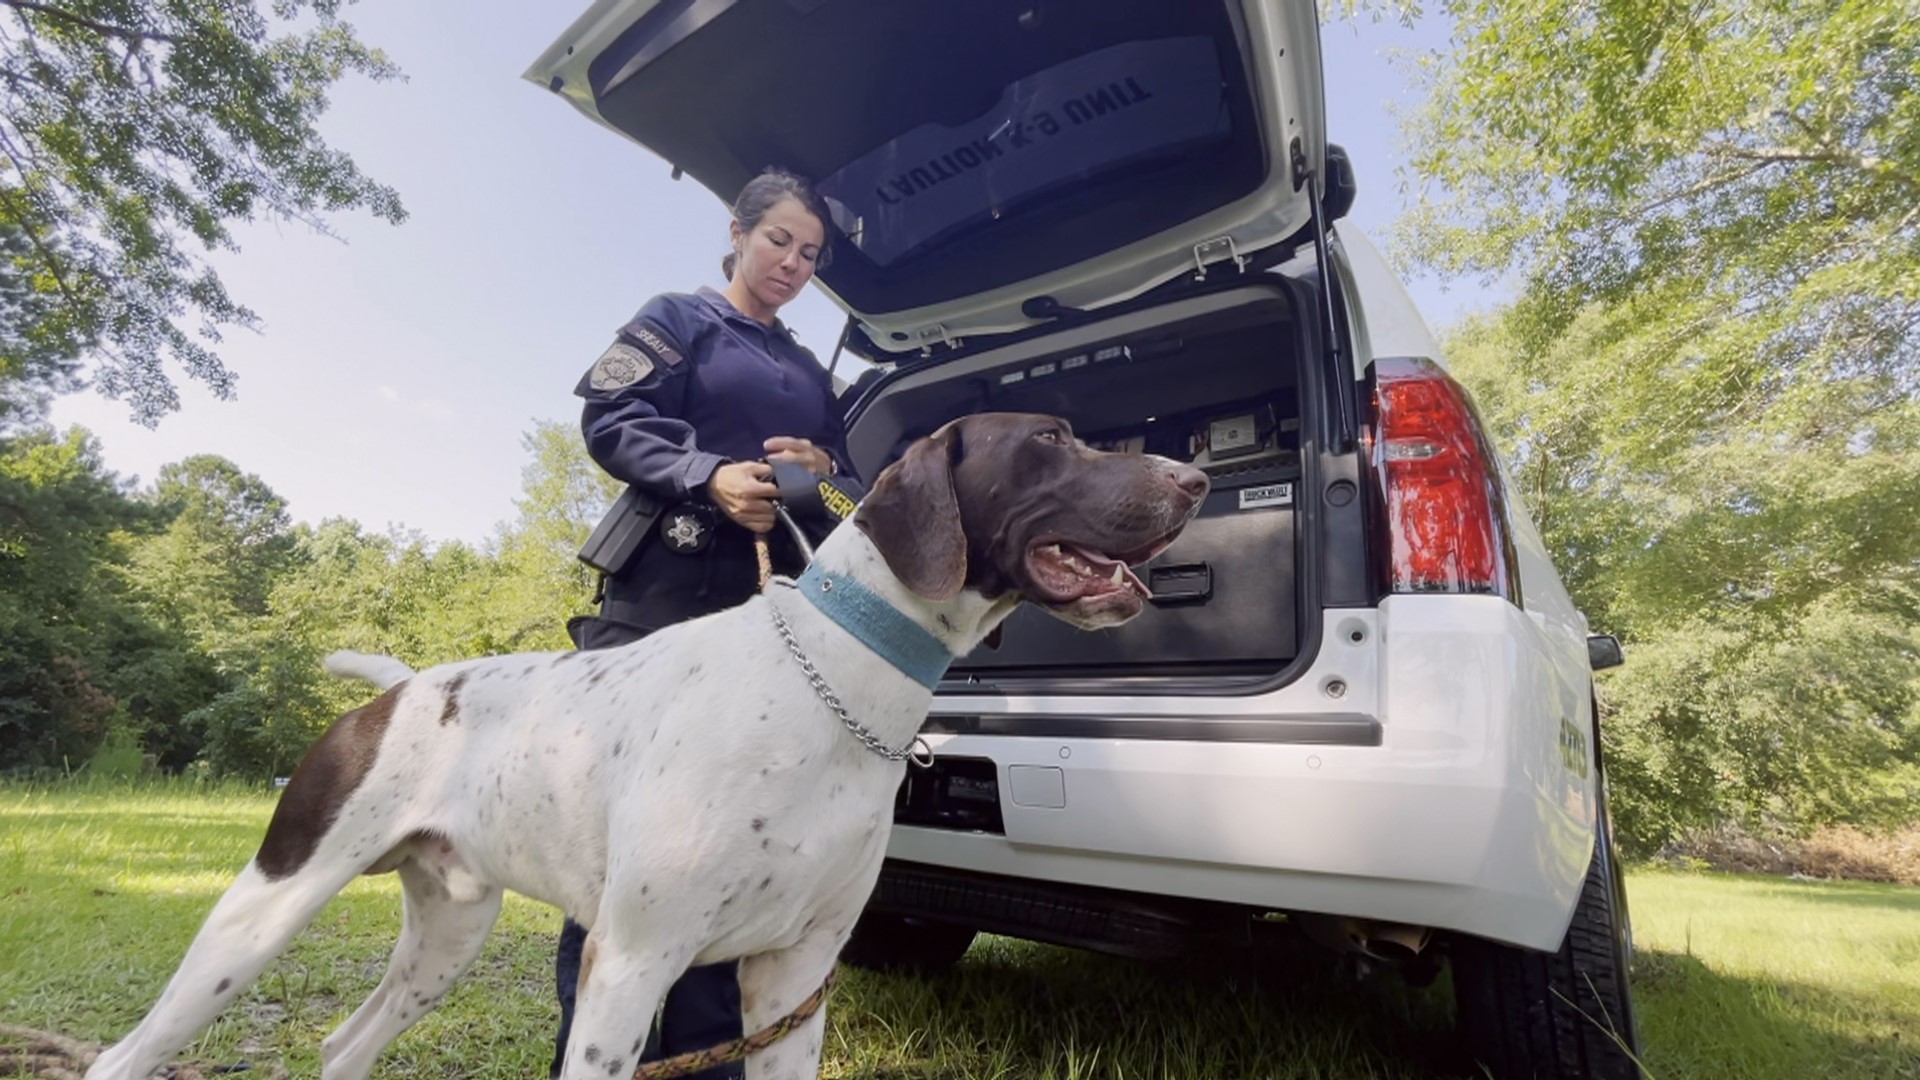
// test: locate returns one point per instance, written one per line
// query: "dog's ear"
(913, 517)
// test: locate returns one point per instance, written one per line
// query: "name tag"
(1255, 498)
(838, 502)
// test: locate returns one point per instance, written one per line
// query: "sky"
(398, 369)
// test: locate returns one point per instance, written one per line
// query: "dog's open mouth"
(1062, 571)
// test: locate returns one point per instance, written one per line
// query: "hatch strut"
(845, 332)
(1345, 429)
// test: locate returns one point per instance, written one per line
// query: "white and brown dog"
(690, 797)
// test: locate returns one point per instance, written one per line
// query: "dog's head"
(1012, 503)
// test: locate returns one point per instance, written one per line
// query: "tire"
(895, 943)
(1565, 1015)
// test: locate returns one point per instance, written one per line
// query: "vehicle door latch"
(937, 332)
(1218, 249)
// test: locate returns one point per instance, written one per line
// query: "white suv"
(1362, 700)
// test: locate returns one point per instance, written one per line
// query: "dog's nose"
(1190, 480)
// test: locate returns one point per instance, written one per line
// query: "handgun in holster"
(621, 532)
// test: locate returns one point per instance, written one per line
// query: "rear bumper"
(1473, 813)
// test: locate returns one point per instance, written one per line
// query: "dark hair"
(763, 192)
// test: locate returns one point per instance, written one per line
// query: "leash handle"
(765, 556)
(799, 537)
(760, 550)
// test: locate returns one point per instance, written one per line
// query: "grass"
(101, 889)
(1747, 976)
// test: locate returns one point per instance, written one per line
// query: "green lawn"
(101, 890)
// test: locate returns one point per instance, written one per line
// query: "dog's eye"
(1049, 435)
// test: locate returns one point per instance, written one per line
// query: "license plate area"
(957, 793)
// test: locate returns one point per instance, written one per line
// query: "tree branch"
(1703, 186)
(1773, 155)
(134, 37)
(27, 225)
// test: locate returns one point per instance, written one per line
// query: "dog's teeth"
(1118, 571)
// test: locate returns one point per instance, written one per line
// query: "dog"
(693, 797)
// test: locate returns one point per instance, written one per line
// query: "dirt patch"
(1835, 853)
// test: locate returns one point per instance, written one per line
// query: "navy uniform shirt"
(688, 385)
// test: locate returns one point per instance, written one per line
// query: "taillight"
(1439, 496)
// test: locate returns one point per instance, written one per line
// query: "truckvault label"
(1254, 498)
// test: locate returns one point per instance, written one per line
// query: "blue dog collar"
(877, 624)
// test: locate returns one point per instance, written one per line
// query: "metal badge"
(686, 531)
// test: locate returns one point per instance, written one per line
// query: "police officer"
(697, 394)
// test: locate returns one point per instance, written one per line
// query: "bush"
(119, 758)
(1834, 852)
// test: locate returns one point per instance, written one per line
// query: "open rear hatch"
(1217, 380)
(988, 162)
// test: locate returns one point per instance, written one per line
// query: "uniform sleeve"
(634, 417)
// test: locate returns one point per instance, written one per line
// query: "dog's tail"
(382, 671)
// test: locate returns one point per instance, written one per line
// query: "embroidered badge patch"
(619, 367)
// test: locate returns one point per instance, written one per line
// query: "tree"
(1708, 382)
(133, 133)
(1768, 602)
(192, 619)
(227, 537)
(59, 511)
(542, 581)
(36, 361)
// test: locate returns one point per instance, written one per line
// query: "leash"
(916, 753)
(46, 1055)
(765, 557)
(738, 1049)
(50, 1056)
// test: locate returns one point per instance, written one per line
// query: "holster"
(621, 532)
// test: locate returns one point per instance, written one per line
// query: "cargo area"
(1217, 383)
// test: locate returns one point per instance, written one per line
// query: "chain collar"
(916, 752)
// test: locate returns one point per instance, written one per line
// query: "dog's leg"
(250, 926)
(440, 936)
(620, 990)
(771, 986)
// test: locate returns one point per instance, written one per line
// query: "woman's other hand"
(742, 492)
(800, 452)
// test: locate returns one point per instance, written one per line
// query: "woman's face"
(776, 257)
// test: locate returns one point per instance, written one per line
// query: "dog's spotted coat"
(686, 797)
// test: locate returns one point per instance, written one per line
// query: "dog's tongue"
(1112, 570)
(1075, 571)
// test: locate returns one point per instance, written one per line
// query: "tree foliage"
(133, 133)
(189, 619)
(1708, 386)
(34, 364)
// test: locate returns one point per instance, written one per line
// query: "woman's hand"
(800, 451)
(742, 492)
